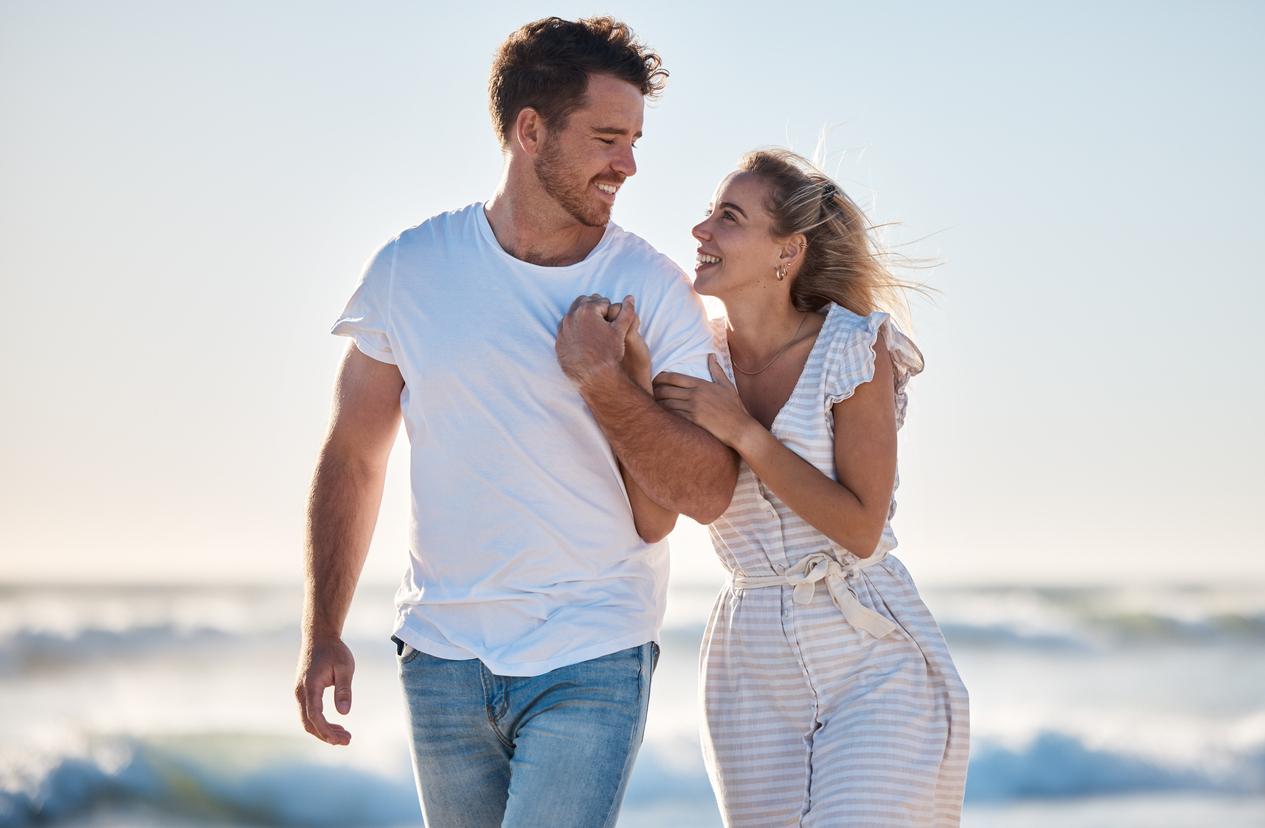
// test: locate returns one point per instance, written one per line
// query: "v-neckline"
(830, 308)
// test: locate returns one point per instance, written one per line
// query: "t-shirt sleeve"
(366, 319)
(677, 332)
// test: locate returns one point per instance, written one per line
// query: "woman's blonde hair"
(845, 261)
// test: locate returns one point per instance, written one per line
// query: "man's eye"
(607, 140)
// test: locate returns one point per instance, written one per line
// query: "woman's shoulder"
(719, 336)
(841, 322)
(850, 332)
(851, 352)
(846, 332)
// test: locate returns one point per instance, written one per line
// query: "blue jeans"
(554, 750)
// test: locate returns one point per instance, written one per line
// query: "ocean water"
(172, 706)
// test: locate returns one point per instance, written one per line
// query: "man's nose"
(625, 164)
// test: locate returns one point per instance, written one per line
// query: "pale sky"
(188, 192)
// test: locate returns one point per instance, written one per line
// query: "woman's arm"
(653, 521)
(851, 512)
(676, 463)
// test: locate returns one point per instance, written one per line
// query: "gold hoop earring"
(781, 272)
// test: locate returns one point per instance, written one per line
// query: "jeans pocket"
(404, 652)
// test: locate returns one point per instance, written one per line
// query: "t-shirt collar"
(485, 229)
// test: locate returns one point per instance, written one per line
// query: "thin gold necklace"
(775, 356)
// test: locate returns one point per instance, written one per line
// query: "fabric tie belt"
(820, 566)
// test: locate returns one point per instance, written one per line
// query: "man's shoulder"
(632, 251)
(417, 249)
(451, 225)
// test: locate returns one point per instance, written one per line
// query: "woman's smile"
(736, 245)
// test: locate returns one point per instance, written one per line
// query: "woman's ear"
(792, 253)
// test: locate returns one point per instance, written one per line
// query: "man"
(527, 620)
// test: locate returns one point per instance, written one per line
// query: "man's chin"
(598, 217)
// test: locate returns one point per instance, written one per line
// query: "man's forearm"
(342, 510)
(677, 464)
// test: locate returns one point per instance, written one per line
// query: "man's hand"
(589, 344)
(324, 662)
(677, 465)
(342, 508)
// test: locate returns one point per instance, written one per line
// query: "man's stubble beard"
(560, 182)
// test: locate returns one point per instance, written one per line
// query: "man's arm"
(342, 509)
(677, 464)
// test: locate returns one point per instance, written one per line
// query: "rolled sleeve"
(678, 334)
(367, 317)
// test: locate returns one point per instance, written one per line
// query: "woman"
(829, 695)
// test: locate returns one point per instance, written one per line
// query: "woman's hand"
(714, 406)
(636, 360)
(652, 521)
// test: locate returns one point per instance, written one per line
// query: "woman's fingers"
(636, 352)
(678, 380)
(674, 398)
(672, 392)
(680, 407)
(718, 373)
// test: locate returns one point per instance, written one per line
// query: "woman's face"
(737, 252)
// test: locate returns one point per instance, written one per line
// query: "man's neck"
(532, 227)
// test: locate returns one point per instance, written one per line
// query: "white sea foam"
(270, 781)
(236, 779)
(1097, 618)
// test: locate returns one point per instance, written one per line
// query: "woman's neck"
(757, 331)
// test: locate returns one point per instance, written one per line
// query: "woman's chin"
(703, 286)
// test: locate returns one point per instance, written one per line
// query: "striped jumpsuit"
(834, 702)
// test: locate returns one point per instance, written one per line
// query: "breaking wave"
(1081, 619)
(204, 779)
(1059, 765)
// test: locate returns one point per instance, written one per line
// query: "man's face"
(583, 165)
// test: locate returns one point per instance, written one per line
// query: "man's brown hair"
(546, 65)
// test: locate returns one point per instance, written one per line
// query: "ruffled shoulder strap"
(849, 360)
(720, 341)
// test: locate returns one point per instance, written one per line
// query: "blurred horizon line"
(1221, 582)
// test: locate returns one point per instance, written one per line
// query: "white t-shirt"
(523, 549)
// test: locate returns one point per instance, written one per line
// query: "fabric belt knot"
(820, 566)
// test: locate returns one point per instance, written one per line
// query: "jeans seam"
(632, 734)
(487, 708)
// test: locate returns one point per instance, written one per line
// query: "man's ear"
(529, 130)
